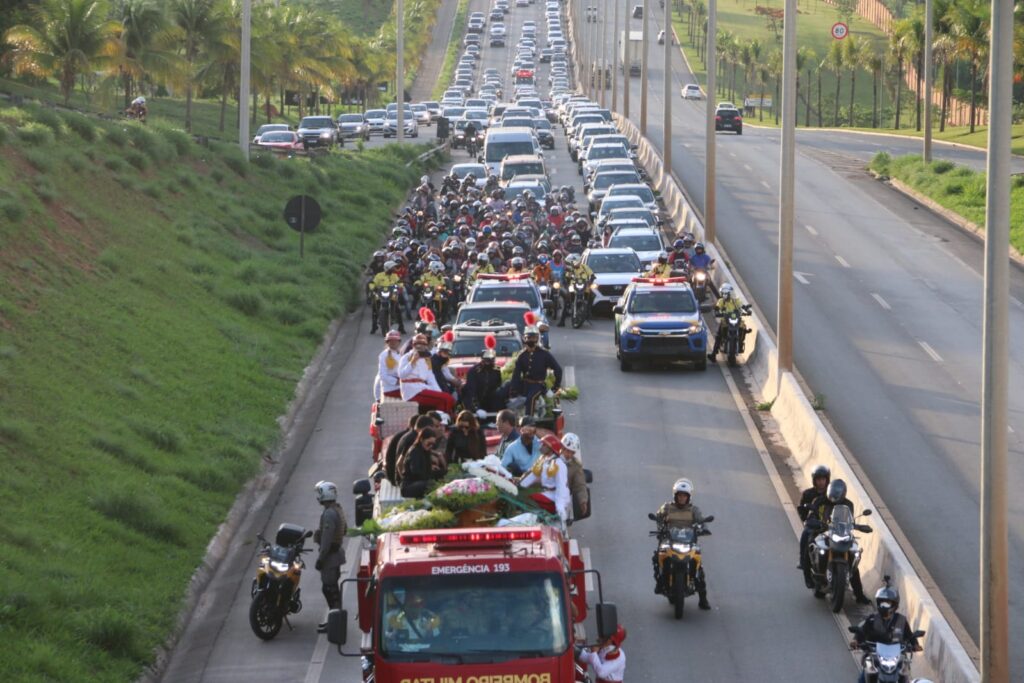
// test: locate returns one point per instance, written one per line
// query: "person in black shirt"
(421, 465)
(821, 510)
(820, 478)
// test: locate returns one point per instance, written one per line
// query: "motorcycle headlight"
(701, 277)
(279, 566)
(836, 538)
(385, 295)
(457, 279)
(557, 285)
(888, 664)
(681, 547)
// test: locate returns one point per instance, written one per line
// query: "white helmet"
(436, 267)
(326, 492)
(571, 442)
(425, 179)
(390, 265)
(572, 259)
(726, 291)
(682, 486)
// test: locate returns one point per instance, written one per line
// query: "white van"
(521, 164)
(503, 142)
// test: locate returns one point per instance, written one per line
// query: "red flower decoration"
(491, 342)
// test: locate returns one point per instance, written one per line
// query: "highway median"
(155, 318)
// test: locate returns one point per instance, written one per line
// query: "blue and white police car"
(659, 319)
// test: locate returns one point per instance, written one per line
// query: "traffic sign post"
(840, 30)
(302, 214)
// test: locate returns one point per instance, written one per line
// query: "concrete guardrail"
(811, 444)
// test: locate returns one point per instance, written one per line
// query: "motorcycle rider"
(701, 260)
(517, 266)
(470, 132)
(725, 305)
(820, 478)
(681, 513)
(542, 274)
(887, 625)
(607, 659)
(383, 280)
(529, 376)
(660, 268)
(330, 536)
(576, 271)
(821, 510)
(434, 278)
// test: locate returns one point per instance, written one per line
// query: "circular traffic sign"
(840, 30)
(302, 213)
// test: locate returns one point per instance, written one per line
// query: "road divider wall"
(811, 443)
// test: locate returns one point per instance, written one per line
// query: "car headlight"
(635, 329)
(326, 134)
(593, 287)
(694, 329)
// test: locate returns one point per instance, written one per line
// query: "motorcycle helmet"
(678, 244)
(581, 224)
(432, 232)
(527, 195)
(682, 486)
(542, 259)
(557, 255)
(472, 256)
(470, 243)
(688, 239)
(542, 246)
(726, 291)
(436, 267)
(663, 258)
(699, 247)
(482, 259)
(821, 472)
(572, 259)
(837, 490)
(326, 492)
(555, 210)
(507, 245)
(887, 600)
(576, 240)
(571, 442)
(434, 256)
(518, 263)
(464, 208)
(389, 266)
(518, 251)
(378, 255)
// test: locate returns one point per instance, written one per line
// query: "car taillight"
(718, 118)
(739, 118)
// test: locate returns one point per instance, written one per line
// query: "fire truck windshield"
(477, 612)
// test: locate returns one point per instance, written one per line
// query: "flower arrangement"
(407, 519)
(490, 470)
(463, 494)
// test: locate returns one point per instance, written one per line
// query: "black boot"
(703, 603)
(862, 599)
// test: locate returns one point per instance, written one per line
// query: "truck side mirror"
(588, 476)
(607, 620)
(361, 487)
(867, 513)
(337, 627)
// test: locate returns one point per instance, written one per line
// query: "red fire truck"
(472, 605)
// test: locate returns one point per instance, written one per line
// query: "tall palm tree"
(969, 26)
(722, 43)
(875, 63)
(143, 48)
(773, 69)
(756, 49)
(899, 51)
(197, 24)
(222, 57)
(835, 61)
(65, 39)
(855, 54)
(944, 49)
(805, 59)
(734, 50)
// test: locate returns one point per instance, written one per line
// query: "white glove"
(481, 413)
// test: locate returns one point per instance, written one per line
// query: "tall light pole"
(667, 78)
(643, 71)
(243, 90)
(615, 58)
(595, 51)
(602, 49)
(400, 67)
(784, 326)
(995, 625)
(626, 55)
(711, 59)
(928, 40)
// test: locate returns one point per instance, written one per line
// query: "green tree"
(806, 58)
(856, 51)
(835, 61)
(899, 51)
(197, 25)
(142, 48)
(875, 63)
(65, 39)
(969, 26)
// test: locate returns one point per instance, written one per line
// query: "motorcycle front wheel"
(384, 319)
(679, 594)
(839, 573)
(577, 314)
(265, 624)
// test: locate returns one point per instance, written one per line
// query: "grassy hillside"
(154, 319)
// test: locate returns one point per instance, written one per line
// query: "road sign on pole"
(840, 30)
(302, 214)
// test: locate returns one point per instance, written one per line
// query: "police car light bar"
(660, 281)
(504, 277)
(469, 537)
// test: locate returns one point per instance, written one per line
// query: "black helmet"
(837, 490)
(507, 245)
(821, 472)
(518, 251)
(887, 600)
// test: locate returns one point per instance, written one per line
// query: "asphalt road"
(888, 317)
(640, 431)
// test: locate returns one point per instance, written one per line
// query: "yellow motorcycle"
(275, 590)
(678, 561)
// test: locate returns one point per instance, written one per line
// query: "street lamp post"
(667, 78)
(626, 53)
(244, 80)
(928, 39)
(400, 67)
(711, 59)
(994, 575)
(784, 326)
(602, 49)
(643, 71)
(615, 59)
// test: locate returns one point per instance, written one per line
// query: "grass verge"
(451, 53)
(956, 188)
(154, 319)
(962, 135)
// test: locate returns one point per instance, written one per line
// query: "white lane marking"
(930, 351)
(810, 229)
(748, 167)
(801, 277)
(569, 376)
(766, 185)
(732, 154)
(316, 664)
(686, 145)
(842, 261)
(881, 302)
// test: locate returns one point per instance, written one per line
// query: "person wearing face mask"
(481, 392)
(529, 377)
(418, 381)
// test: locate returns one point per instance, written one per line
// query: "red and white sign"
(840, 30)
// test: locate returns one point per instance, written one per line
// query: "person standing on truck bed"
(386, 383)
(607, 660)
(330, 536)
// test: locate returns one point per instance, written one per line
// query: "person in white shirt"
(386, 383)
(553, 475)
(418, 383)
(607, 661)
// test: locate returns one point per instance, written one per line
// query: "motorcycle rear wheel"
(679, 594)
(838, 586)
(262, 620)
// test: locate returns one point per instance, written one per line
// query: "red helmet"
(618, 637)
(552, 442)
